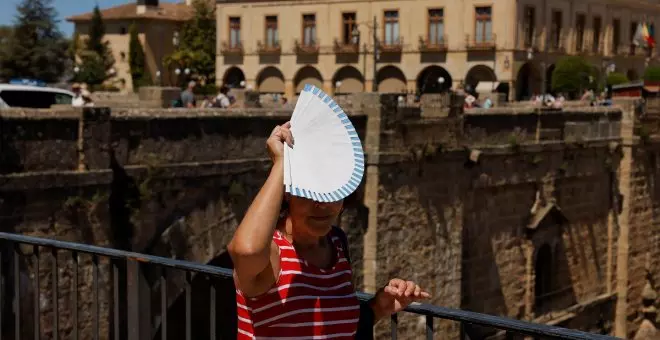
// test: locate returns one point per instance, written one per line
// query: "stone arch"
(434, 79)
(528, 81)
(391, 80)
(479, 73)
(348, 80)
(307, 75)
(270, 80)
(234, 78)
(548, 78)
(632, 74)
(543, 275)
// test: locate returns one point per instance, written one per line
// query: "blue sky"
(65, 8)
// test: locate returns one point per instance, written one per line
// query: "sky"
(64, 8)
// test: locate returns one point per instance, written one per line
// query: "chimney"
(145, 5)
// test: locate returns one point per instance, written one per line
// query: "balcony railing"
(271, 47)
(229, 48)
(438, 45)
(303, 48)
(484, 42)
(395, 45)
(127, 312)
(341, 47)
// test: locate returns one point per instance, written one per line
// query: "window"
(309, 29)
(348, 24)
(580, 22)
(436, 35)
(596, 32)
(632, 32)
(272, 34)
(544, 277)
(122, 30)
(483, 32)
(34, 99)
(616, 35)
(391, 28)
(235, 32)
(529, 26)
(555, 37)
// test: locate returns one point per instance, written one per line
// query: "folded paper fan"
(326, 163)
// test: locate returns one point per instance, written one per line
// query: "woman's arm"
(250, 248)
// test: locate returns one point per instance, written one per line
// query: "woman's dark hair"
(224, 89)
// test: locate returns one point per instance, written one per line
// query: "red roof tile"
(164, 11)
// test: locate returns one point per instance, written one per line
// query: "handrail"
(502, 323)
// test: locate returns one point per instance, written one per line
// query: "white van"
(36, 97)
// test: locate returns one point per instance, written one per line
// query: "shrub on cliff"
(616, 78)
(572, 75)
(652, 73)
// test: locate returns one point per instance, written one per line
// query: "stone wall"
(461, 202)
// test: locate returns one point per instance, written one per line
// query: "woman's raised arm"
(250, 248)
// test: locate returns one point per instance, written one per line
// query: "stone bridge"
(506, 211)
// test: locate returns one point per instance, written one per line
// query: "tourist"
(188, 96)
(77, 100)
(222, 100)
(291, 268)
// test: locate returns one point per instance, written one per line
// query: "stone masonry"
(509, 211)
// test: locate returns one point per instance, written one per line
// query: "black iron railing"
(128, 312)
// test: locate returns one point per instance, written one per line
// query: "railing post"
(138, 303)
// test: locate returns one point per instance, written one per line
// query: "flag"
(650, 38)
(638, 38)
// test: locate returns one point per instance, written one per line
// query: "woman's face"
(316, 217)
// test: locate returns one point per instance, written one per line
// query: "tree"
(652, 73)
(616, 78)
(96, 59)
(35, 47)
(139, 72)
(573, 74)
(197, 48)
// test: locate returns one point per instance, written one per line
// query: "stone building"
(509, 46)
(157, 24)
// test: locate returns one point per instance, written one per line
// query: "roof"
(5, 87)
(164, 11)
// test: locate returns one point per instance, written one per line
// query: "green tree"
(652, 73)
(616, 78)
(196, 50)
(35, 48)
(139, 72)
(97, 54)
(573, 74)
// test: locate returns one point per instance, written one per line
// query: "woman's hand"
(395, 297)
(275, 142)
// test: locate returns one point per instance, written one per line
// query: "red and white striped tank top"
(306, 302)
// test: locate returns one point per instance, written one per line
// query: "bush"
(616, 78)
(652, 73)
(574, 74)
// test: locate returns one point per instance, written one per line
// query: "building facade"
(157, 25)
(421, 45)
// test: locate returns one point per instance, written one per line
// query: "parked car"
(36, 97)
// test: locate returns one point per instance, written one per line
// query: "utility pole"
(374, 86)
(544, 61)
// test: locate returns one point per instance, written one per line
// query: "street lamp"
(177, 71)
(337, 86)
(355, 35)
(242, 83)
(76, 69)
(187, 71)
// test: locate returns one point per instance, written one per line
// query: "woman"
(292, 274)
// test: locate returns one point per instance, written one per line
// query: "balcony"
(392, 46)
(269, 48)
(301, 48)
(481, 43)
(340, 47)
(126, 295)
(228, 48)
(428, 46)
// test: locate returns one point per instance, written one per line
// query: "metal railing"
(138, 324)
